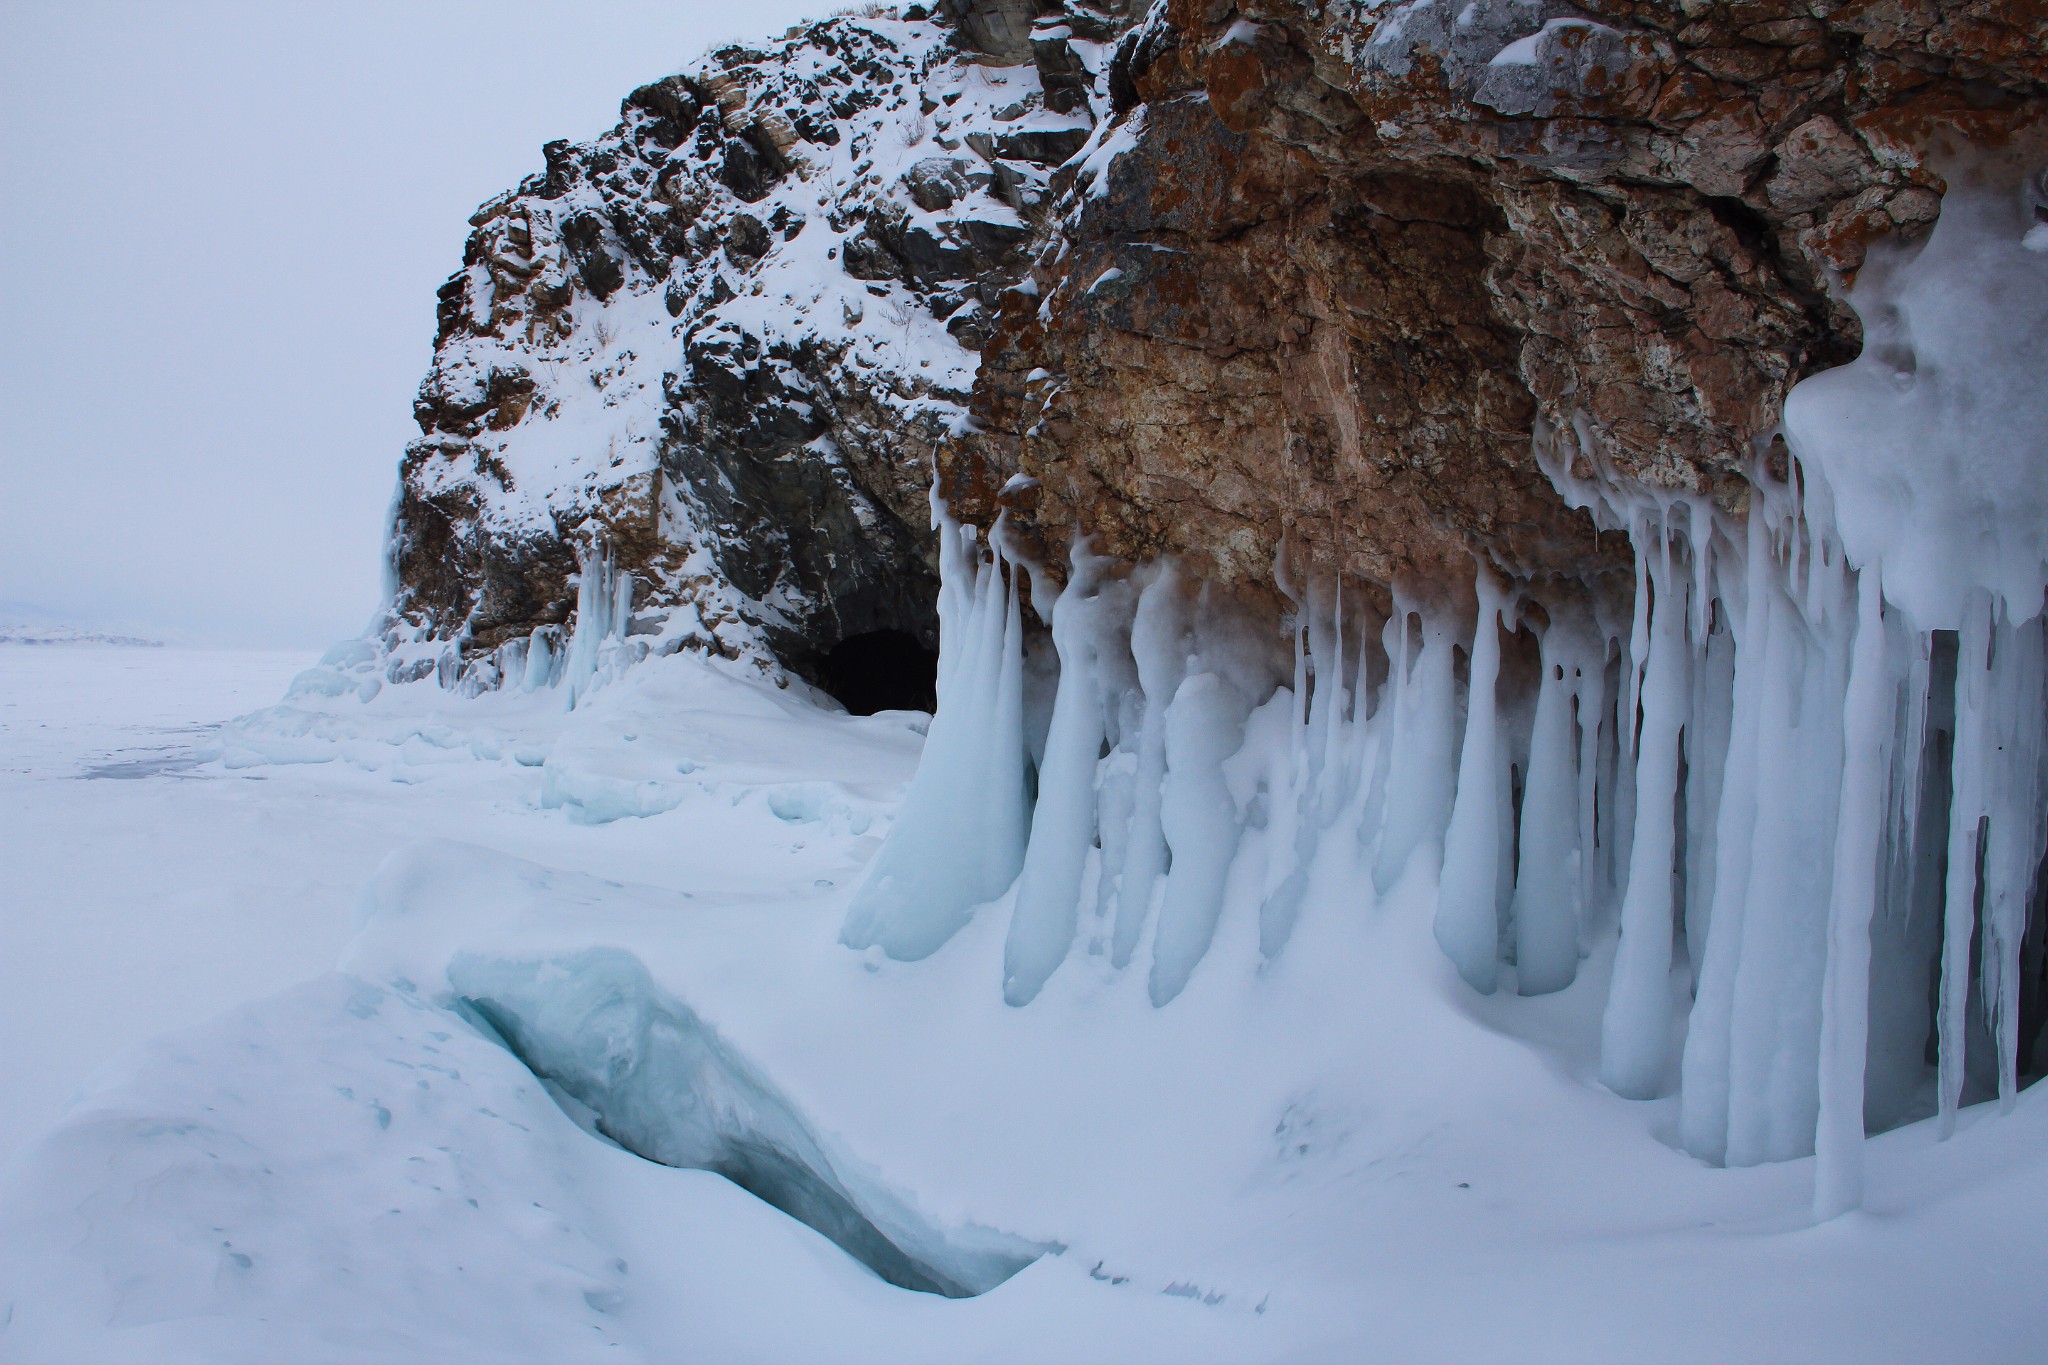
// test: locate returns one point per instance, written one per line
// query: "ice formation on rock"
(966, 815)
(1799, 782)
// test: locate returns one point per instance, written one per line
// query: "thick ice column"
(1774, 1052)
(1547, 879)
(1063, 823)
(1421, 770)
(1376, 737)
(542, 660)
(1467, 916)
(1204, 726)
(1859, 832)
(1635, 1032)
(1703, 1098)
(1159, 646)
(959, 840)
(604, 600)
(1314, 759)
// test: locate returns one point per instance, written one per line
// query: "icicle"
(1467, 915)
(1635, 1030)
(1204, 725)
(1335, 780)
(1548, 881)
(1115, 798)
(1966, 819)
(1063, 823)
(1592, 707)
(1379, 740)
(1704, 1087)
(1314, 755)
(959, 840)
(1159, 646)
(1774, 1054)
(1708, 734)
(1421, 769)
(1638, 636)
(1845, 998)
(604, 598)
(1906, 933)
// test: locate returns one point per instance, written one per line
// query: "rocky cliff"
(1329, 266)
(705, 360)
(1216, 280)
(1625, 418)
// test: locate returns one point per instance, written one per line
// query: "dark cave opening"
(881, 670)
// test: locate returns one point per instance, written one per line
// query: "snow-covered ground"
(130, 903)
(1343, 1156)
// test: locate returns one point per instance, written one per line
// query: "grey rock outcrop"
(717, 348)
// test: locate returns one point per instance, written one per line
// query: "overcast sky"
(222, 223)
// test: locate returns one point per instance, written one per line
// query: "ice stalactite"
(1556, 835)
(1205, 723)
(1159, 660)
(1635, 1030)
(604, 606)
(1063, 824)
(1421, 745)
(1845, 1002)
(960, 839)
(1313, 777)
(1468, 901)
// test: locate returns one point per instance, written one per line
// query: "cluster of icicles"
(1810, 824)
(576, 660)
(1807, 797)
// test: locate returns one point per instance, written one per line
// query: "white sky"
(222, 223)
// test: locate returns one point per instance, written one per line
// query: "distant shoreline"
(67, 635)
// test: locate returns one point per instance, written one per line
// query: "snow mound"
(340, 1173)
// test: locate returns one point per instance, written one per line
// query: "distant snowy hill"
(71, 635)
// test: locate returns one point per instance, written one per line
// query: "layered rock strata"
(1328, 267)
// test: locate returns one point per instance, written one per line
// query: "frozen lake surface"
(1342, 1156)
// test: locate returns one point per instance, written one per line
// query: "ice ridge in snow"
(665, 1086)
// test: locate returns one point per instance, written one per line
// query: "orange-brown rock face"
(1336, 263)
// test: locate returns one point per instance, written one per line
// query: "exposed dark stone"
(1041, 146)
(746, 239)
(1061, 72)
(583, 234)
(745, 171)
(999, 29)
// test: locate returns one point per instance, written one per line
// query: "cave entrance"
(882, 670)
